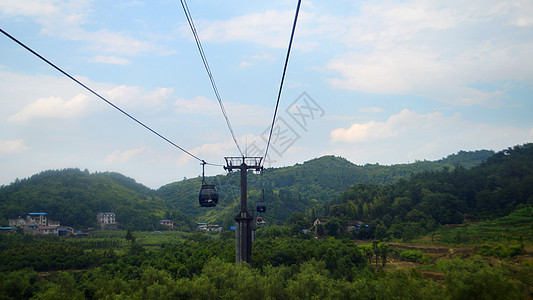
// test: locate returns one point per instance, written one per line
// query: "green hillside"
(421, 203)
(74, 197)
(302, 187)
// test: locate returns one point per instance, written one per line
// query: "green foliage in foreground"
(218, 279)
(200, 267)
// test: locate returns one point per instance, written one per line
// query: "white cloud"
(267, 28)
(52, 107)
(10, 147)
(30, 8)
(270, 28)
(67, 19)
(124, 156)
(113, 42)
(437, 50)
(157, 96)
(59, 97)
(198, 105)
(405, 123)
(252, 60)
(409, 135)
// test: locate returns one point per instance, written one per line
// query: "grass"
(516, 227)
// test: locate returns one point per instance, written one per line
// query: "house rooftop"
(37, 214)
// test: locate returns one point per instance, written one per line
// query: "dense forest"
(301, 188)
(420, 204)
(74, 197)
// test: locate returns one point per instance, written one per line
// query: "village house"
(214, 227)
(53, 223)
(16, 222)
(321, 221)
(210, 227)
(38, 223)
(106, 220)
(38, 218)
(168, 223)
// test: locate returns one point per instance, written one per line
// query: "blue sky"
(372, 81)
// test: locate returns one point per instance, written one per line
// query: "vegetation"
(74, 197)
(200, 265)
(426, 201)
(446, 232)
(301, 188)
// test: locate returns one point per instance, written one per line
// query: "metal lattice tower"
(244, 220)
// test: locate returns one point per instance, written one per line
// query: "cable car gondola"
(261, 207)
(208, 196)
(260, 222)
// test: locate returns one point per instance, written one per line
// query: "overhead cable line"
(282, 78)
(208, 69)
(102, 98)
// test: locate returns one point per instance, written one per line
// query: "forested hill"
(74, 197)
(302, 187)
(419, 204)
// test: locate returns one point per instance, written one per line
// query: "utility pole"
(244, 220)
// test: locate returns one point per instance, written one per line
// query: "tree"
(333, 227)
(375, 246)
(383, 251)
(380, 232)
(297, 222)
(129, 236)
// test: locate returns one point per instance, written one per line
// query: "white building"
(106, 218)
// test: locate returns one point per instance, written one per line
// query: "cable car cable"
(208, 69)
(282, 78)
(102, 98)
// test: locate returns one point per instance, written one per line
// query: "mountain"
(300, 188)
(426, 200)
(74, 197)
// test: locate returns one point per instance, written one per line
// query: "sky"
(383, 82)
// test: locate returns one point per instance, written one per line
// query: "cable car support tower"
(244, 220)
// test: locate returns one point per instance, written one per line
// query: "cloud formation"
(412, 135)
(267, 28)
(52, 107)
(68, 20)
(11, 147)
(437, 50)
(124, 156)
